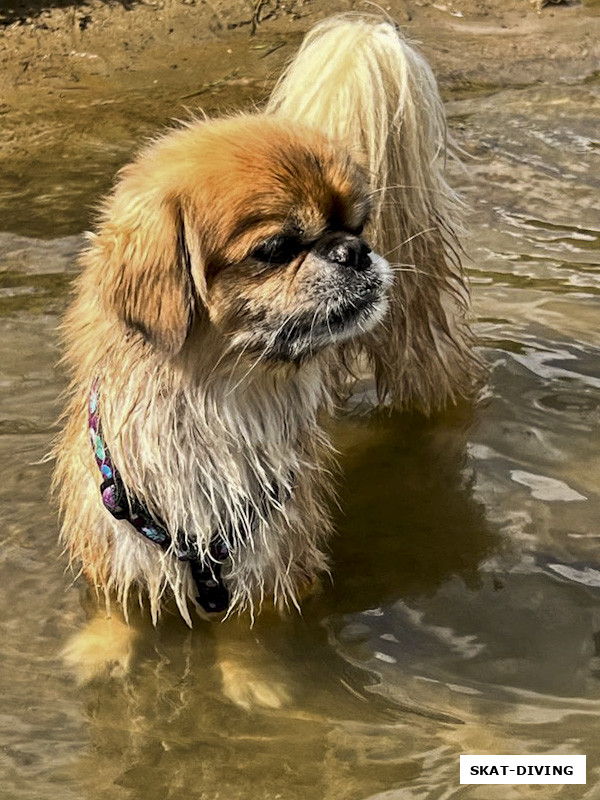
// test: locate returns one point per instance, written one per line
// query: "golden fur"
(217, 348)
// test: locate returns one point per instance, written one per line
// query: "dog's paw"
(104, 648)
(248, 689)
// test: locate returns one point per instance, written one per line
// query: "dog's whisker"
(419, 187)
(412, 268)
(312, 325)
(235, 366)
(263, 354)
(408, 240)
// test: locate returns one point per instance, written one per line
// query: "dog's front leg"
(104, 646)
(250, 675)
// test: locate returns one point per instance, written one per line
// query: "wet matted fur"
(223, 293)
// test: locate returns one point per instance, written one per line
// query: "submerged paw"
(104, 648)
(249, 689)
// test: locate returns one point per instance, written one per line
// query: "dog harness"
(213, 595)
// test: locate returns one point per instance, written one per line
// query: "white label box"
(522, 769)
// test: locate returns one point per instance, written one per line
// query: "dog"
(242, 271)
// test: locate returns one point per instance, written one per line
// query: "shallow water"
(465, 611)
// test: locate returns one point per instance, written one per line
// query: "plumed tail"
(356, 79)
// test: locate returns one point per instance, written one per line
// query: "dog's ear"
(146, 266)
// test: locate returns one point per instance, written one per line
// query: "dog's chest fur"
(239, 457)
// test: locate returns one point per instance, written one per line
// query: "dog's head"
(248, 225)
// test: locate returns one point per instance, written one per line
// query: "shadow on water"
(409, 520)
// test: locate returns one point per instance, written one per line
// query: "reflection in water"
(464, 615)
(408, 519)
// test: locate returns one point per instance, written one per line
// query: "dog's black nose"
(346, 250)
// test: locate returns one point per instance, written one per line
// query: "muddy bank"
(81, 85)
(52, 44)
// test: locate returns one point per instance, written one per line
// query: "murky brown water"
(465, 613)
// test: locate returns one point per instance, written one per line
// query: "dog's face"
(252, 227)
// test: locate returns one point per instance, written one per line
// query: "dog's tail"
(356, 79)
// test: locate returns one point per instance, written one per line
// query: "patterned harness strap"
(213, 595)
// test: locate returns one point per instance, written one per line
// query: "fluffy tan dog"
(228, 285)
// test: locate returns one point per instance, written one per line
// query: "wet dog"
(240, 271)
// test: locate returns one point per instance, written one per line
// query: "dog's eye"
(277, 250)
